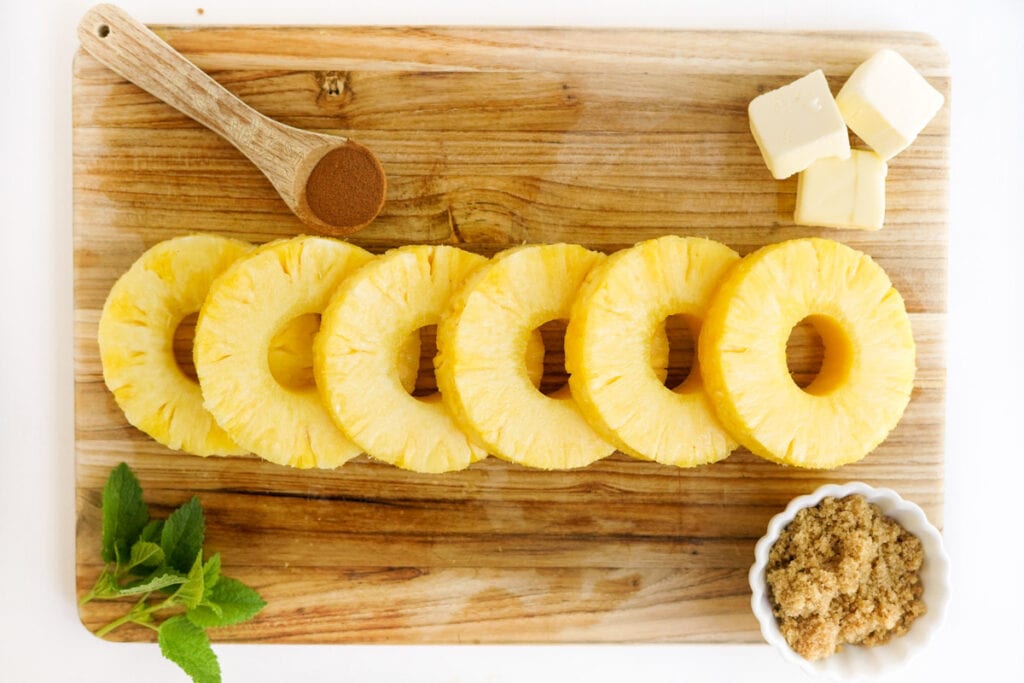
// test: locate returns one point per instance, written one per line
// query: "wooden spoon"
(333, 184)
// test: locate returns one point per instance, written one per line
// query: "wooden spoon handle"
(136, 53)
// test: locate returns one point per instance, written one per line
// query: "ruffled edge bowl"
(854, 661)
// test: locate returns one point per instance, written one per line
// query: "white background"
(983, 640)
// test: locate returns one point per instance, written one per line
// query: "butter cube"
(797, 124)
(843, 193)
(886, 102)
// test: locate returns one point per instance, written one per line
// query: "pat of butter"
(886, 102)
(843, 193)
(797, 124)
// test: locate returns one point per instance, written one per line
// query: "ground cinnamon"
(346, 187)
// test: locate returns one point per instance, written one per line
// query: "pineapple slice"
(618, 320)
(291, 354)
(356, 358)
(248, 305)
(136, 334)
(868, 368)
(483, 341)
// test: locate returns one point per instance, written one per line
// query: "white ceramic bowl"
(853, 661)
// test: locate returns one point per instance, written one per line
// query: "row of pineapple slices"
(260, 307)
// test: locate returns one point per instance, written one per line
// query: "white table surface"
(41, 638)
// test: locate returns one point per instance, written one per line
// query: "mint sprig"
(159, 564)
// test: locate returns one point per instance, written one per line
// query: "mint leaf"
(146, 554)
(205, 608)
(154, 583)
(211, 571)
(151, 532)
(124, 513)
(188, 646)
(191, 592)
(182, 535)
(237, 602)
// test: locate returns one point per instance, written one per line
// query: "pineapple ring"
(291, 354)
(136, 332)
(617, 317)
(247, 306)
(356, 358)
(483, 341)
(867, 373)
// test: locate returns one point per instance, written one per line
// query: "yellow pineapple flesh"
(136, 339)
(357, 358)
(867, 372)
(616, 350)
(291, 354)
(484, 341)
(247, 308)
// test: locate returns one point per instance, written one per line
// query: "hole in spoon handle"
(133, 51)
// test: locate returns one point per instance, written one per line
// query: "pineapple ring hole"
(290, 354)
(426, 382)
(181, 345)
(555, 378)
(818, 354)
(681, 331)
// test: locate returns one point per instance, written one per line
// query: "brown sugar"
(844, 573)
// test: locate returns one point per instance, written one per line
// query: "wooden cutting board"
(491, 138)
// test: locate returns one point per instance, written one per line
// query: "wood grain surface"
(490, 138)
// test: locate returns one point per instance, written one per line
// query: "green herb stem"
(95, 591)
(138, 611)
